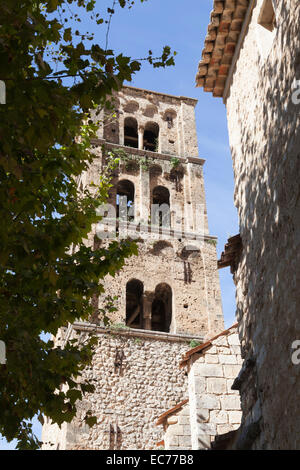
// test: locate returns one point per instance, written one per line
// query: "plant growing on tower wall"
(174, 161)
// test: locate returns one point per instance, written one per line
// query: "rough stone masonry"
(251, 58)
(212, 409)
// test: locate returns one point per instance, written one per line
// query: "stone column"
(189, 200)
(141, 137)
(147, 308)
(144, 194)
(121, 129)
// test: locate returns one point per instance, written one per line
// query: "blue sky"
(181, 24)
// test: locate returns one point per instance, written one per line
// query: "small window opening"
(169, 121)
(131, 133)
(169, 117)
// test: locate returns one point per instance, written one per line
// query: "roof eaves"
(223, 32)
(161, 419)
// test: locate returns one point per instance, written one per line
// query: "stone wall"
(178, 258)
(182, 256)
(178, 430)
(264, 135)
(214, 407)
(174, 116)
(192, 277)
(129, 398)
(148, 170)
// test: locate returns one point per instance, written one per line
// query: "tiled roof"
(226, 22)
(164, 416)
(203, 347)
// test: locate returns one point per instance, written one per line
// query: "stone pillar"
(141, 137)
(189, 134)
(121, 129)
(189, 200)
(100, 121)
(144, 194)
(147, 308)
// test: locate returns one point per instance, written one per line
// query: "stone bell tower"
(168, 297)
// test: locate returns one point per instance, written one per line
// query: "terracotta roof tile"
(223, 32)
(160, 443)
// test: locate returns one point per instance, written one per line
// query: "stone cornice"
(147, 153)
(158, 335)
(131, 228)
(192, 101)
(223, 34)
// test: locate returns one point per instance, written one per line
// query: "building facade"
(168, 296)
(251, 58)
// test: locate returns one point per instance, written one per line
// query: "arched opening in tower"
(151, 133)
(134, 303)
(131, 132)
(125, 200)
(160, 210)
(161, 312)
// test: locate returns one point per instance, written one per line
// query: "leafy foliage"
(127, 159)
(53, 75)
(211, 241)
(174, 161)
(194, 343)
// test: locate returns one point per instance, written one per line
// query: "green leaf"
(91, 421)
(45, 145)
(68, 35)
